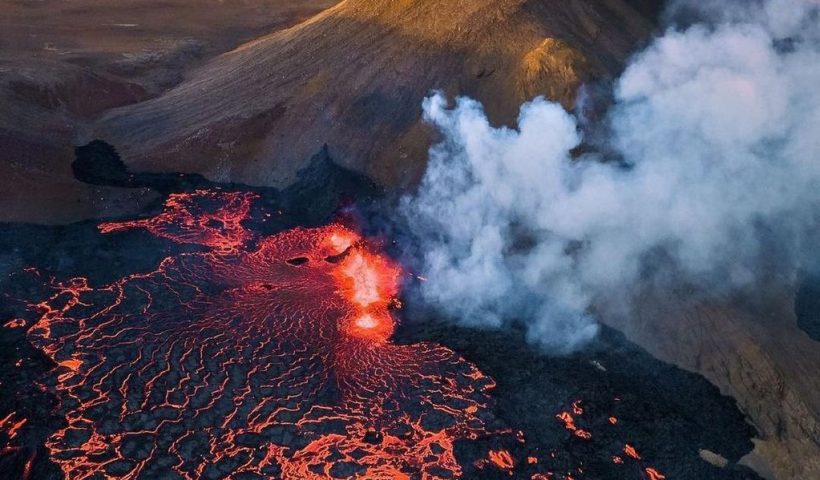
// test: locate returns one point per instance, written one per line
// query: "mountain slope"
(354, 76)
(63, 63)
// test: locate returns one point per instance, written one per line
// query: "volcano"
(271, 357)
(213, 338)
(203, 273)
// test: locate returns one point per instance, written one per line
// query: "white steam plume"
(719, 130)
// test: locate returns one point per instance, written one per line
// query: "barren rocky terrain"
(354, 77)
(63, 63)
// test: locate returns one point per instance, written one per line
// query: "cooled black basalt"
(668, 414)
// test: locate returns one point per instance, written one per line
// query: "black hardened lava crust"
(666, 413)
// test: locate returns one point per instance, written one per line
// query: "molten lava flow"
(10, 444)
(370, 282)
(210, 218)
(10, 425)
(15, 323)
(260, 356)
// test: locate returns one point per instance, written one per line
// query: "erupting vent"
(253, 356)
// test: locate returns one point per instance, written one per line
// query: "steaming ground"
(715, 130)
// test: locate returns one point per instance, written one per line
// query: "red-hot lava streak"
(270, 357)
(209, 218)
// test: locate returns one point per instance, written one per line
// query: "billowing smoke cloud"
(717, 131)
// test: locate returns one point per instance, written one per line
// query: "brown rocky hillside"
(354, 76)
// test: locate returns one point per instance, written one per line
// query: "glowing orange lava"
(267, 356)
(261, 357)
(11, 425)
(569, 421)
(501, 459)
(206, 217)
(15, 323)
(654, 474)
(370, 282)
(10, 443)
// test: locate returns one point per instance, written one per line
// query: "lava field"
(215, 337)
